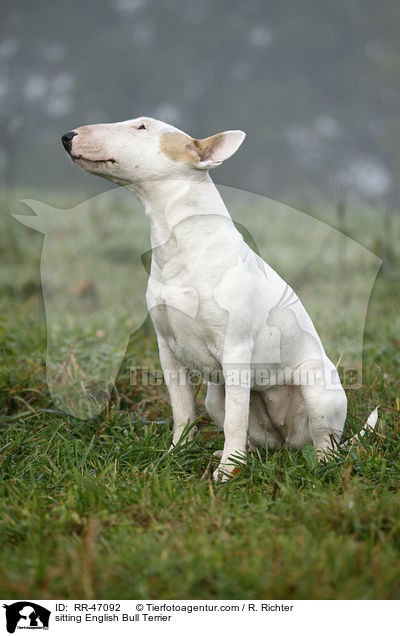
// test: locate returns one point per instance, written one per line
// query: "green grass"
(97, 509)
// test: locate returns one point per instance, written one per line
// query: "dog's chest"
(192, 326)
(185, 274)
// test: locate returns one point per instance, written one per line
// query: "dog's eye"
(142, 127)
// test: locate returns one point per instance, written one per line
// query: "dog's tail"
(369, 425)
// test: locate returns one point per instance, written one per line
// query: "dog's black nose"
(67, 139)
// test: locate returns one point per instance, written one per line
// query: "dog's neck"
(170, 201)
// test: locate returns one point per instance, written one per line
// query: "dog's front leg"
(237, 399)
(180, 391)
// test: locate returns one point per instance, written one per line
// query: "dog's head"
(145, 149)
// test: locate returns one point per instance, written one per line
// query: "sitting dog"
(217, 307)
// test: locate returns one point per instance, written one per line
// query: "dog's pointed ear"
(212, 151)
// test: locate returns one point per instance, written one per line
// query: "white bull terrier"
(216, 306)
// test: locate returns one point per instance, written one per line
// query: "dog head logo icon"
(26, 615)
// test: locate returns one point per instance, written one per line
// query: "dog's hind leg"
(326, 409)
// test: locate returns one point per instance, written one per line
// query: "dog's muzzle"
(67, 140)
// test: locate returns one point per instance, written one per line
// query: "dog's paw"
(219, 475)
(324, 455)
(231, 464)
(225, 471)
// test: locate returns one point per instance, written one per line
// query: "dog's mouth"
(95, 162)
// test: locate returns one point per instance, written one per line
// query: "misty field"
(97, 509)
